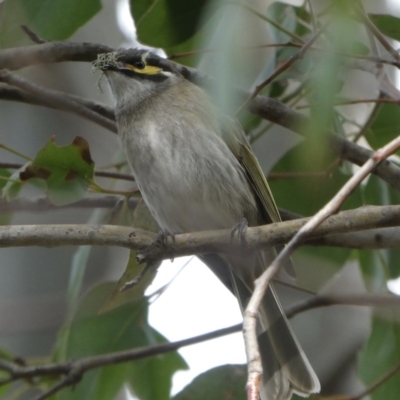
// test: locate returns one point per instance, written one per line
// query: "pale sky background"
(196, 302)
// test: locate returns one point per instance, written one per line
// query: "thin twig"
(286, 65)
(78, 367)
(103, 174)
(57, 99)
(377, 33)
(322, 300)
(377, 383)
(32, 35)
(261, 285)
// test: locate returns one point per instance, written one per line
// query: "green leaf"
(385, 127)
(166, 23)
(387, 24)
(223, 382)
(67, 170)
(12, 187)
(50, 19)
(122, 328)
(380, 354)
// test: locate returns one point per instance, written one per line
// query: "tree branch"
(322, 300)
(12, 93)
(57, 99)
(74, 370)
(50, 53)
(190, 243)
(255, 368)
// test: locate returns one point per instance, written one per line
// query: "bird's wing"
(234, 137)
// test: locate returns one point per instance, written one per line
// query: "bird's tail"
(286, 369)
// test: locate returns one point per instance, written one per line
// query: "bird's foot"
(163, 235)
(241, 228)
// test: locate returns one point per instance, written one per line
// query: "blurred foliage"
(51, 20)
(107, 320)
(381, 354)
(388, 24)
(208, 384)
(122, 328)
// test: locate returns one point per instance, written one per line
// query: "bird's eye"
(139, 64)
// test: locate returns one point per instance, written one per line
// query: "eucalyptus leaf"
(166, 23)
(387, 24)
(380, 354)
(385, 126)
(222, 382)
(50, 19)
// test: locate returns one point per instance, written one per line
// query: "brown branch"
(32, 35)
(280, 114)
(50, 53)
(377, 33)
(377, 383)
(383, 238)
(11, 93)
(57, 99)
(74, 370)
(322, 300)
(218, 241)
(261, 284)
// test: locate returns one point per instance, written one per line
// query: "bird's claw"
(241, 228)
(163, 237)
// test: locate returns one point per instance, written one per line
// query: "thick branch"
(194, 243)
(12, 93)
(57, 99)
(49, 53)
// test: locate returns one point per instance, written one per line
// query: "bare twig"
(32, 35)
(377, 33)
(262, 283)
(286, 65)
(57, 99)
(322, 300)
(377, 383)
(74, 370)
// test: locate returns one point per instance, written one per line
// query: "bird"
(196, 171)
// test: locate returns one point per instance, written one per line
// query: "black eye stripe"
(139, 64)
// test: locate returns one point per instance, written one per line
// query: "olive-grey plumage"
(197, 172)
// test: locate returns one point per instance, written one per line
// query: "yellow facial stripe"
(147, 70)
